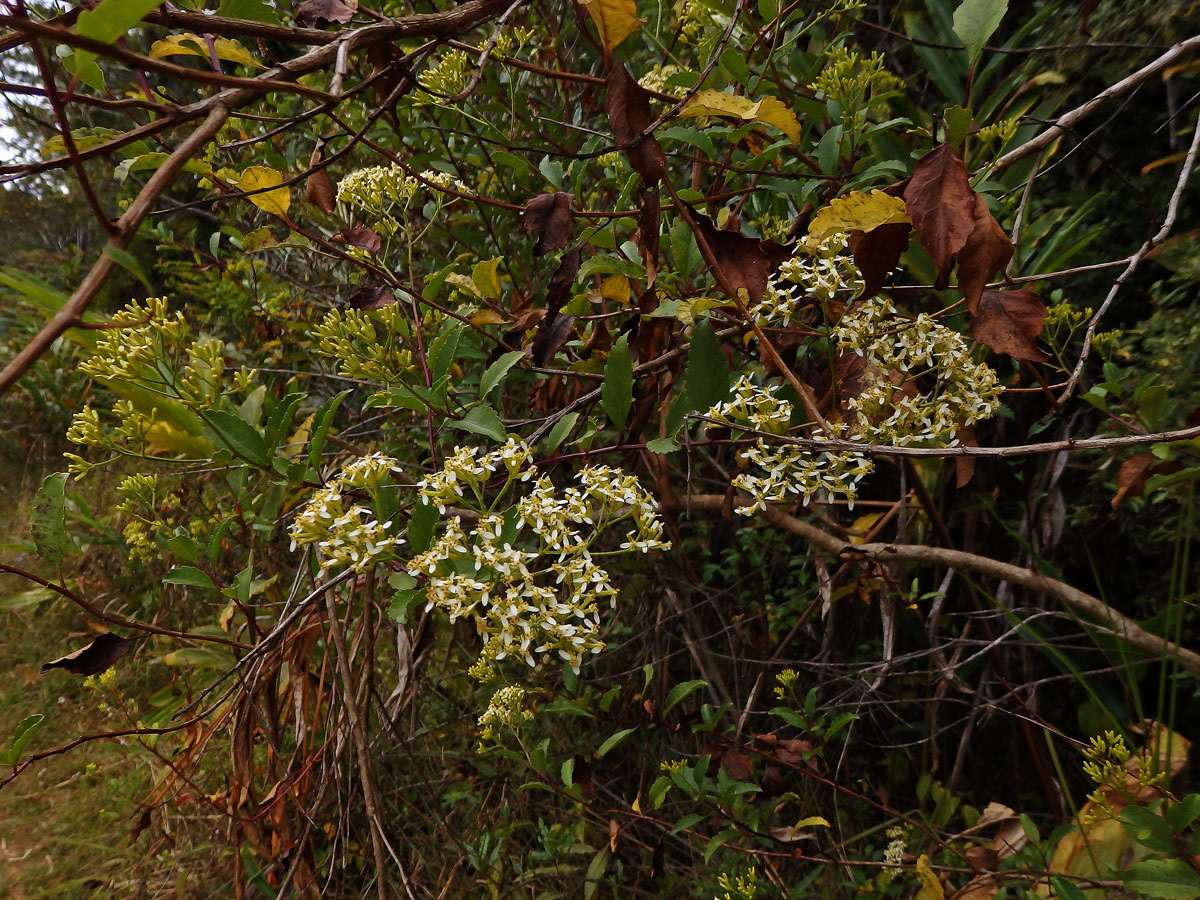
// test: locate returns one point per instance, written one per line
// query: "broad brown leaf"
(876, 253)
(1008, 322)
(548, 216)
(319, 13)
(744, 262)
(554, 328)
(371, 298)
(964, 466)
(96, 657)
(361, 236)
(319, 189)
(1136, 471)
(628, 107)
(986, 252)
(941, 204)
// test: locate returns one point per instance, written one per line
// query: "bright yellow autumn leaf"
(189, 44)
(256, 178)
(615, 19)
(857, 211)
(769, 110)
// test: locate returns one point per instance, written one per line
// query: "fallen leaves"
(96, 657)
(941, 204)
(1008, 322)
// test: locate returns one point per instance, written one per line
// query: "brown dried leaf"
(982, 858)
(1131, 477)
(319, 13)
(744, 262)
(628, 107)
(361, 236)
(371, 298)
(555, 329)
(876, 253)
(96, 657)
(1008, 322)
(548, 216)
(739, 766)
(319, 189)
(964, 466)
(986, 252)
(941, 204)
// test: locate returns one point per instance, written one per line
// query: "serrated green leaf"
(616, 393)
(495, 373)
(662, 445)
(49, 525)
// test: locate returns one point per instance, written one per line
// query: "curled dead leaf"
(628, 108)
(548, 217)
(986, 252)
(96, 657)
(320, 13)
(941, 204)
(1008, 322)
(361, 236)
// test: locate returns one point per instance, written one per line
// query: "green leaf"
(559, 432)
(1164, 879)
(200, 658)
(241, 438)
(687, 822)
(1065, 890)
(49, 525)
(482, 420)
(403, 603)
(977, 20)
(680, 691)
(443, 349)
(1185, 812)
(109, 20)
(611, 265)
(250, 10)
(715, 844)
(24, 733)
(707, 372)
(613, 740)
(658, 791)
(421, 522)
(188, 575)
(495, 373)
(595, 871)
(616, 393)
(320, 429)
(662, 445)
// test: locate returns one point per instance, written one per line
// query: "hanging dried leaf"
(369, 298)
(628, 108)
(876, 253)
(986, 252)
(744, 262)
(96, 657)
(361, 236)
(554, 329)
(548, 216)
(964, 466)
(320, 13)
(768, 110)
(1008, 322)
(615, 19)
(857, 211)
(941, 204)
(318, 190)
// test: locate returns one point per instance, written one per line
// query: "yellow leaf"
(486, 278)
(687, 310)
(298, 442)
(615, 287)
(862, 525)
(857, 211)
(931, 888)
(810, 822)
(769, 110)
(615, 19)
(189, 44)
(486, 317)
(258, 238)
(256, 178)
(163, 437)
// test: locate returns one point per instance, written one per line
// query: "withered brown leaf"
(941, 204)
(319, 13)
(548, 216)
(554, 329)
(361, 236)
(986, 252)
(628, 107)
(318, 190)
(96, 657)
(369, 298)
(1008, 322)
(745, 262)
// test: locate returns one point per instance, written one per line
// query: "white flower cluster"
(444, 180)
(656, 80)
(891, 408)
(823, 273)
(377, 189)
(506, 709)
(784, 469)
(347, 537)
(528, 578)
